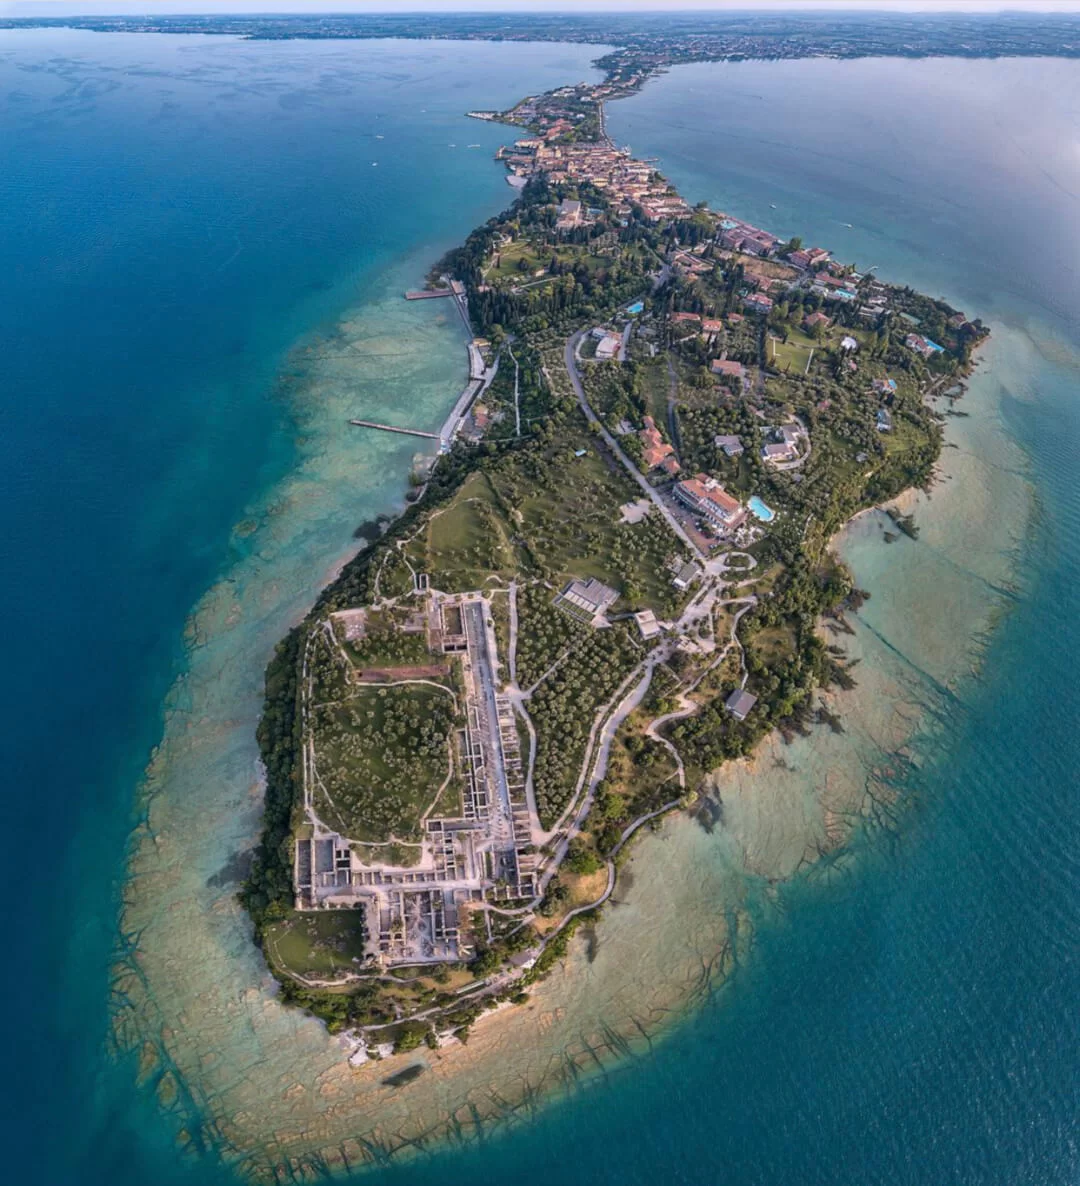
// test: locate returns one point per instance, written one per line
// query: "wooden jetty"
(409, 432)
(427, 294)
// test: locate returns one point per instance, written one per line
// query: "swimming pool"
(637, 307)
(759, 510)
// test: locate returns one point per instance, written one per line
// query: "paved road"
(613, 445)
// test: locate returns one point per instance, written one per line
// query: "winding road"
(647, 489)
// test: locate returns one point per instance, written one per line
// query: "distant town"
(648, 41)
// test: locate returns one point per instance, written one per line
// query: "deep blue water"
(175, 214)
(168, 232)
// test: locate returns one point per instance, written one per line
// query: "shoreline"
(458, 293)
(504, 1014)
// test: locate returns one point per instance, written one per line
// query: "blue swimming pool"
(759, 510)
(636, 307)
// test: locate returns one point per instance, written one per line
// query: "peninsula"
(614, 576)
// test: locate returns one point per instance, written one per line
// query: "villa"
(728, 369)
(569, 215)
(608, 347)
(778, 452)
(732, 445)
(783, 445)
(923, 346)
(756, 303)
(647, 624)
(655, 450)
(686, 576)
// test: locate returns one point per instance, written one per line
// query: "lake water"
(201, 281)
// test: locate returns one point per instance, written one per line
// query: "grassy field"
(510, 259)
(773, 643)
(320, 945)
(512, 270)
(655, 384)
(794, 354)
(380, 758)
(468, 543)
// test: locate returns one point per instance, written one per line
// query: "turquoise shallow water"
(178, 215)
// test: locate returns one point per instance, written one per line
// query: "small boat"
(772, 205)
(849, 226)
(374, 164)
(378, 135)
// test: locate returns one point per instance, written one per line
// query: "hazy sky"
(91, 7)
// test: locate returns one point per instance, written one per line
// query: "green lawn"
(317, 944)
(794, 354)
(510, 258)
(655, 383)
(469, 542)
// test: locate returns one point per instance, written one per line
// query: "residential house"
(923, 346)
(731, 445)
(654, 448)
(739, 704)
(783, 444)
(608, 347)
(884, 420)
(686, 576)
(647, 624)
(727, 368)
(757, 303)
(812, 320)
(808, 258)
(884, 387)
